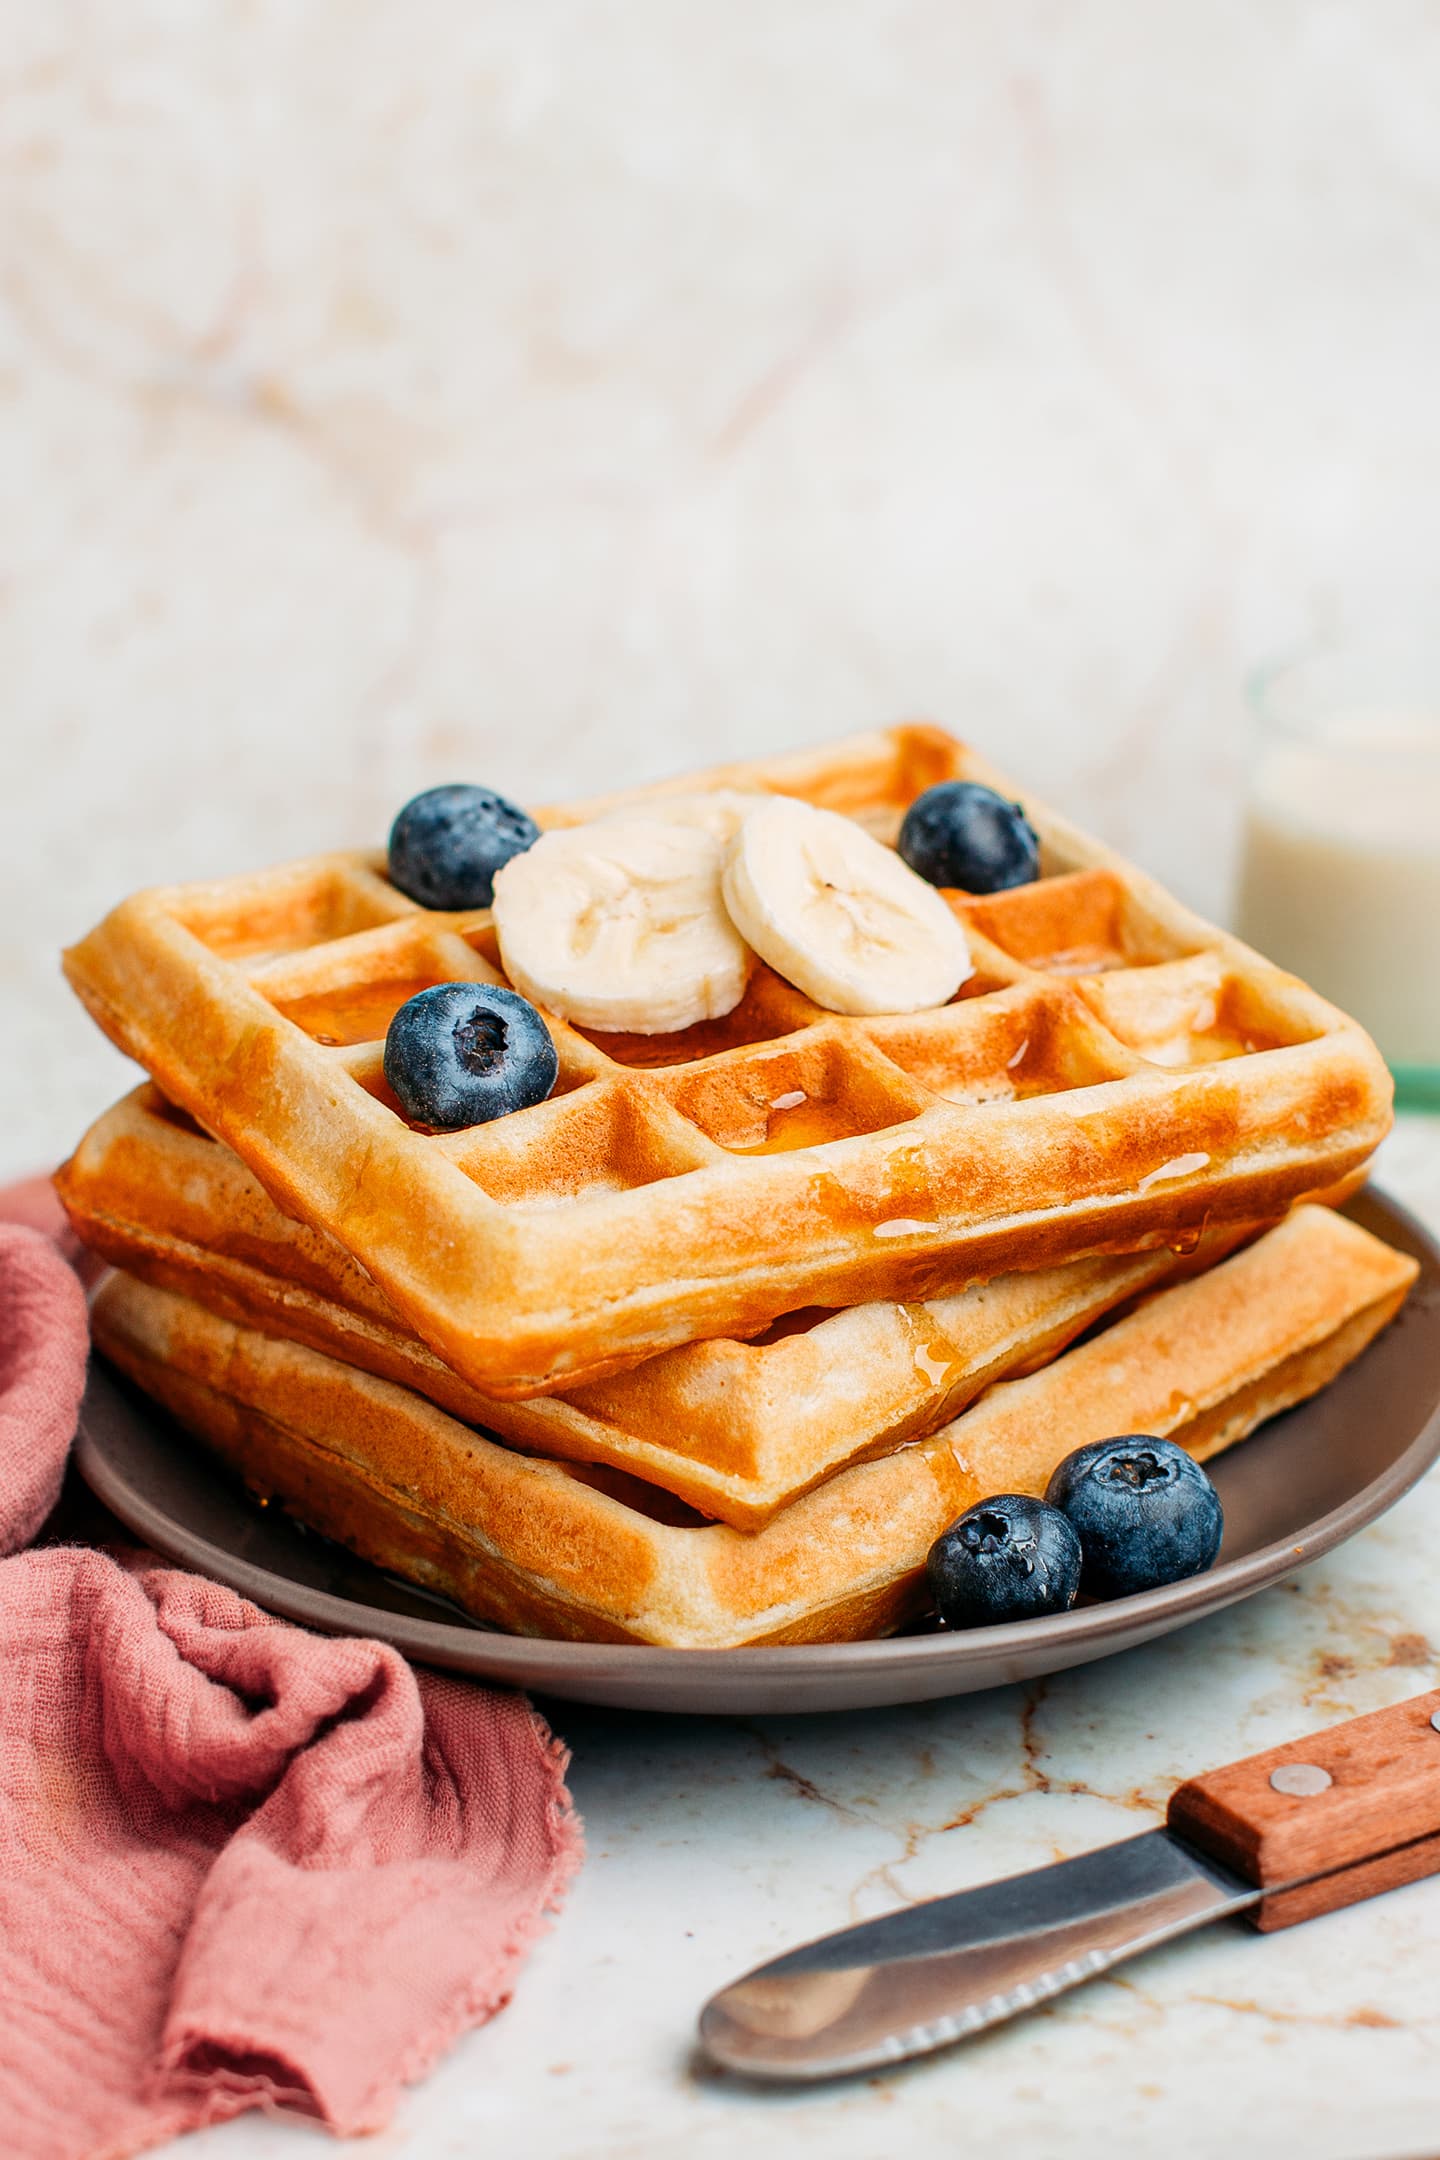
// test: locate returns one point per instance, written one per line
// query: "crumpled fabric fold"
(240, 1865)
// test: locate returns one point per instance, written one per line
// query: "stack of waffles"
(707, 1348)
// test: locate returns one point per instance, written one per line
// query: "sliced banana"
(719, 811)
(619, 925)
(840, 915)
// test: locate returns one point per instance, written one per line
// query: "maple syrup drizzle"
(358, 1015)
(936, 1357)
(796, 1120)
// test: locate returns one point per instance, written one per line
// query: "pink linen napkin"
(240, 1865)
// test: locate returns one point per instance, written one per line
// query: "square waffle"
(1116, 1074)
(553, 1549)
(736, 1429)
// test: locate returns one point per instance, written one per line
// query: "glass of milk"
(1340, 868)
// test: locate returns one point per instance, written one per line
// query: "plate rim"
(1084, 1630)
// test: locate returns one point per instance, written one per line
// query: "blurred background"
(555, 395)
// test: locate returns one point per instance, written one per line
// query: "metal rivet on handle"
(1435, 1721)
(1302, 1780)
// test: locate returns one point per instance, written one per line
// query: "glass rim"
(1309, 715)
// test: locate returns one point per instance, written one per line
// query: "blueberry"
(1144, 1511)
(464, 1053)
(962, 834)
(1009, 1558)
(447, 844)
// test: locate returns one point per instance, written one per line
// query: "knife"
(1282, 1837)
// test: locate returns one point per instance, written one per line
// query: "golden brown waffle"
(1116, 1074)
(736, 1429)
(546, 1548)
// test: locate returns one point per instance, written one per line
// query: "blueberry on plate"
(465, 1052)
(447, 844)
(1144, 1511)
(1009, 1558)
(965, 835)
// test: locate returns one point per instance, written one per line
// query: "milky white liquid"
(1341, 872)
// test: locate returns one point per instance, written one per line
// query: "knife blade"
(875, 1994)
(1300, 1830)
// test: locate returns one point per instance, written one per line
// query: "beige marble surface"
(553, 393)
(714, 1844)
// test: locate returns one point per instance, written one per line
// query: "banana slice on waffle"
(718, 811)
(619, 925)
(840, 915)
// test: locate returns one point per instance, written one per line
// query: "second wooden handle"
(1344, 1814)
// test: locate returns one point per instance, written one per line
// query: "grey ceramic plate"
(1296, 1490)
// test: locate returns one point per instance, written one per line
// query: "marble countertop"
(556, 396)
(713, 1844)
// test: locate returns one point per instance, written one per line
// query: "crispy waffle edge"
(735, 1429)
(540, 1549)
(528, 1298)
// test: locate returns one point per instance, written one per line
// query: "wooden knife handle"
(1328, 1820)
